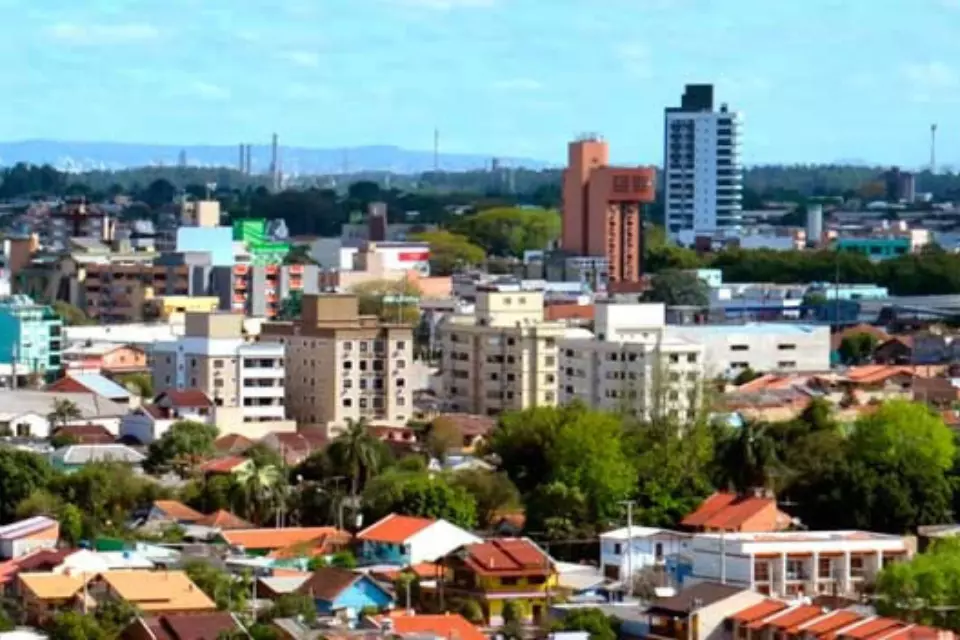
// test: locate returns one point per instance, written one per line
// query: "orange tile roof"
(507, 557)
(568, 311)
(872, 373)
(916, 632)
(53, 586)
(232, 443)
(831, 622)
(178, 511)
(278, 538)
(223, 519)
(158, 590)
(794, 617)
(423, 570)
(872, 628)
(727, 511)
(394, 528)
(445, 625)
(758, 611)
(229, 464)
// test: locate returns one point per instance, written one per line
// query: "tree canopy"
(509, 231)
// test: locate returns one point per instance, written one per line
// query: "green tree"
(678, 288)
(923, 590)
(857, 348)
(293, 605)
(749, 459)
(745, 376)
(114, 615)
(899, 429)
(450, 251)
(64, 412)
(418, 494)
(138, 383)
(291, 306)
(511, 231)
(21, 474)
(358, 451)
(73, 625)
(261, 484)
(389, 300)
(228, 591)
(443, 437)
(594, 621)
(492, 491)
(71, 524)
(181, 447)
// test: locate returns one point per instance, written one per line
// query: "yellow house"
(173, 308)
(503, 570)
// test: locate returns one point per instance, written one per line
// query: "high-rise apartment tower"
(703, 177)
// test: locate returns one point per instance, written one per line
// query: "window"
(692, 358)
(348, 365)
(401, 401)
(218, 364)
(401, 383)
(739, 347)
(348, 383)
(378, 365)
(401, 344)
(549, 361)
(658, 551)
(347, 402)
(761, 571)
(787, 364)
(550, 377)
(363, 403)
(401, 364)
(363, 383)
(786, 347)
(550, 342)
(825, 568)
(363, 365)
(674, 358)
(364, 346)
(218, 383)
(347, 345)
(617, 549)
(511, 342)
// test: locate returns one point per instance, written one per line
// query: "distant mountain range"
(90, 156)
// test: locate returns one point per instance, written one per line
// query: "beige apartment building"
(244, 379)
(200, 213)
(503, 357)
(344, 366)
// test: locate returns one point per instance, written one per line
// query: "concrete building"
(630, 364)
(603, 208)
(245, 380)
(790, 563)
(628, 551)
(342, 365)
(258, 290)
(703, 177)
(764, 347)
(75, 219)
(31, 337)
(200, 213)
(502, 357)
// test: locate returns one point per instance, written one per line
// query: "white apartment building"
(762, 347)
(628, 551)
(632, 364)
(792, 563)
(245, 380)
(503, 357)
(703, 176)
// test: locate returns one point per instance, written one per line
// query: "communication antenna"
(933, 148)
(436, 150)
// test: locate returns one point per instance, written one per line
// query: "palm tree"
(358, 451)
(749, 459)
(260, 484)
(64, 411)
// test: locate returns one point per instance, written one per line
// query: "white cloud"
(518, 84)
(207, 90)
(447, 5)
(929, 81)
(308, 59)
(102, 34)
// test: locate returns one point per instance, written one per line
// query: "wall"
(362, 593)
(710, 619)
(762, 348)
(438, 540)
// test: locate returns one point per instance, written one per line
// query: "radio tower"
(933, 148)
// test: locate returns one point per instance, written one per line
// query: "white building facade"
(703, 176)
(631, 364)
(793, 563)
(630, 550)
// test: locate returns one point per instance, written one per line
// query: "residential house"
(223, 520)
(736, 513)
(797, 621)
(698, 612)
(43, 594)
(310, 541)
(74, 457)
(627, 551)
(84, 434)
(24, 536)
(25, 413)
(226, 466)
(444, 625)
(473, 428)
(339, 590)
(405, 540)
(294, 448)
(272, 587)
(935, 348)
(104, 357)
(232, 444)
(173, 511)
(96, 384)
(495, 571)
(150, 421)
(939, 392)
(159, 592)
(40, 560)
(796, 562)
(195, 626)
(896, 350)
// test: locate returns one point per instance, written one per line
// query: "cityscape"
(273, 377)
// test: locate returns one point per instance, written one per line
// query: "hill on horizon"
(87, 156)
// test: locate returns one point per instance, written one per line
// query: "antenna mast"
(933, 148)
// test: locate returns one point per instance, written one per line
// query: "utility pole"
(723, 556)
(629, 504)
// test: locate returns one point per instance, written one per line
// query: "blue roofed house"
(96, 384)
(405, 540)
(341, 591)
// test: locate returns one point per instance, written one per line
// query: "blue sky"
(817, 80)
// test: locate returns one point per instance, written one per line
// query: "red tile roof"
(326, 583)
(194, 626)
(86, 433)
(39, 560)
(178, 511)
(232, 443)
(729, 512)
(872, 628)
(280, 538)
(223, 519)
(228, 464)
(189, 398)
(394, 528)
(832, 622)
(916, 632)
(569, 311)
(468, 424)
(445, 625)
(507, 557)
(759, 611)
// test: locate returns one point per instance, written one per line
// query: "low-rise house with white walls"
(25, 413)
(630, 550)
(405, 540)
(794, 563)
(25, 536)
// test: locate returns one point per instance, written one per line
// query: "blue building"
(31, 337)
(334, 590)
(876, 248)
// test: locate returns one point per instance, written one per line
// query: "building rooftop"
(20, 401)
(755, 328)
(800, 537)
(394, 528)
(87, 453)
